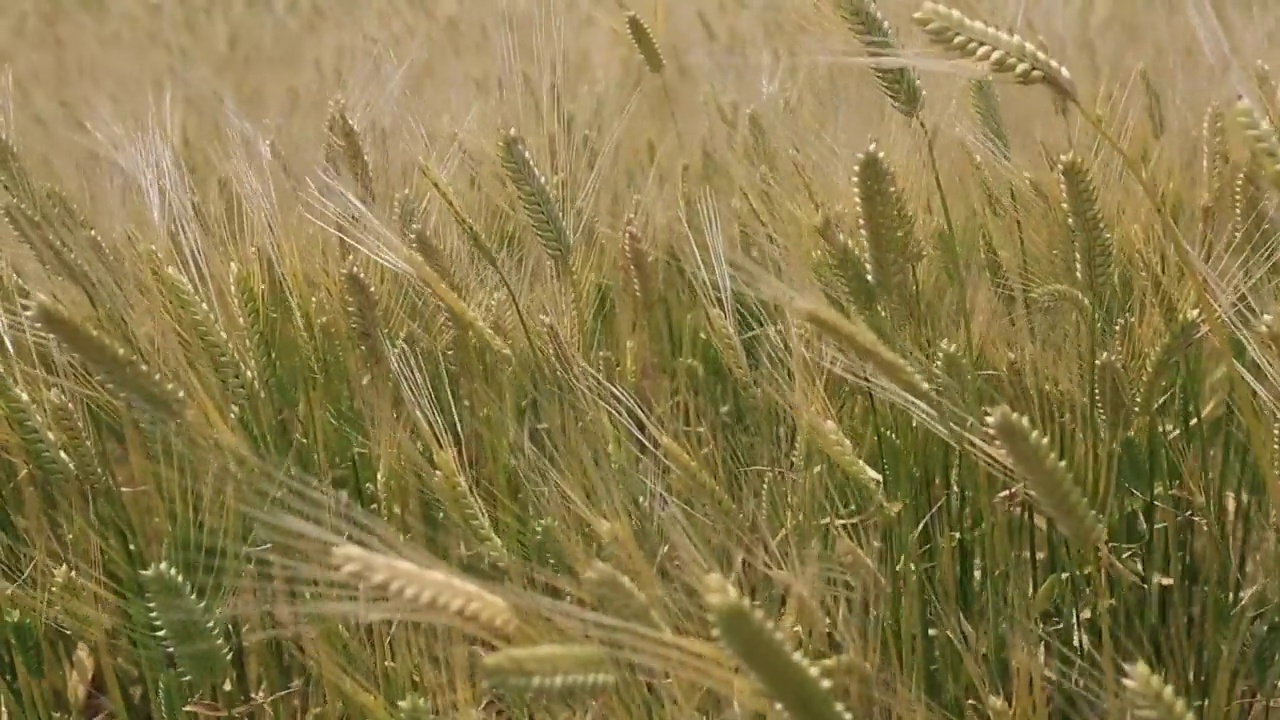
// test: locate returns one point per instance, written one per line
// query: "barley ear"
(344, 151)
(536, 199)
(900, 84)
(888, 228)
(1002, 52)
(1262, 139)
(1059, 495)
(984, 101)
(791, 679)
(186, 626)
(125, 375)
(646, 44)
(549, 668)
(1094, 251)
(1150, 697)
(456, 601)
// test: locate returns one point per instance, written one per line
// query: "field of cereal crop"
(684, 359)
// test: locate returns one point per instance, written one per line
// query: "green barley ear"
(208, 335)
(1253, 206)
(460, 501)
(839, 448)
(550, 668)
(131, 380)
(864, 344)
(50, 249)
(1265, 81)
(535, 198)
(1154, 104)
(849, 264)
(186, 626)
(1261, 137)
(1150, 697)
(900, 84)
(646, 44)
(1094, 249)
(14, 178)
(1001, 52)
(25, 647)
(421, 242)
(344, 152)
(725, 339)
(611, 588)
(454, 600)
(984, 101)
(363, 317)
(637, 261)
(791, 679)
(413, 707)
(887, 226)
(1060, 497)
(40, 447)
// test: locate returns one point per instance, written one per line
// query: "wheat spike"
(186, 626)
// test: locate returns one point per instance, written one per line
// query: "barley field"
(681, 359)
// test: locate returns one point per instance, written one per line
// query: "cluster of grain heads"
(789, 678)
(450, 599)
(1150, 697)
(1002, 52)
(900, 84)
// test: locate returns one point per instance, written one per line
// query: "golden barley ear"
(793, 681)
(455, 601)
(646, 44)
(1261, 138)
(344, 151)
(1000, 51)
(1150, 697)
